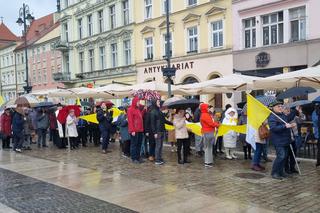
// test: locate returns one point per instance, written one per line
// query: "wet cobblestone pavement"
(230, 186)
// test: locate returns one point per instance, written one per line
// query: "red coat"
(6, 124)
(207, 123)
(135, 117)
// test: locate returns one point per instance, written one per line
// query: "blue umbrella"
(295, 92)
(45, 104)
(316, 100)
(265, 100)
(299, 103)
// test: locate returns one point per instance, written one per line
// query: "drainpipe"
(15, 73)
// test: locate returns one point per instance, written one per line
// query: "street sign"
(169, 72)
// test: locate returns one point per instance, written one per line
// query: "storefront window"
(272, 28)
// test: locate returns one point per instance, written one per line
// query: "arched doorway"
(191, 80)
(215, 99)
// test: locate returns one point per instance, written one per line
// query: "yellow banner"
(92, 118)
(223, 129)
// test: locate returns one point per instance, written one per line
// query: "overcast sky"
(9, 10)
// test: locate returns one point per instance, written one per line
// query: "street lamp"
(24, 17)
(169, 71)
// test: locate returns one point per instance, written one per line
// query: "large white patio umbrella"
(225, 84)
(309, 77)
(106, 91)
(79, 92)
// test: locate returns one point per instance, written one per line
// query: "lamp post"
(169, 71)
(24, 16)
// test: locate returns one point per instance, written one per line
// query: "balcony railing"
(61, 76)
(62, 46)
(124, 70)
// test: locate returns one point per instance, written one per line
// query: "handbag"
(264, 132)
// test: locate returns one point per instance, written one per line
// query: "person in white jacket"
(182, 136)
(71, 129)
(230, 138)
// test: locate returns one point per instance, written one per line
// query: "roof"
(6, 34)
(38, 29)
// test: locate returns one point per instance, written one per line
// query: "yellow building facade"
(200, 41)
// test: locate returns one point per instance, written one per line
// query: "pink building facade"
(275, 36)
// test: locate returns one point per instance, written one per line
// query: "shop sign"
(262, 59)
(179, 66)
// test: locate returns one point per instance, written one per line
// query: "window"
(272, 30)
(22, 58)
(217, 33)
(38, 54)
(81, 61)
(43, 49)
(34, 75)
(125, 6)
(127, 52)
(18, 58)
(90, 26)
(13, 80)
(102, 58)
(114, 55)
(164, 6)
(297, 24)
(192, 39)
(65, 29)
(112, 16)
(39, 76)
(66, 3)
(23, 75)
(45, 75)
(80, 34)
(12, 61)
(192, 2)
(148, 9)
(249, 32)
(67, 64)
(19, 78)
(91, 60)
(149, 48)
(100, 21)
(165, 44)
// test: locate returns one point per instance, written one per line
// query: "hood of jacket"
(227, 116)
(135, 100)
(204, 108)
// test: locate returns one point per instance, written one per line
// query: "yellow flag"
(195, 128)
(78, 102)
(1, 100)
(223, 129)
(92, 118)
(169, 127)
(257, 114)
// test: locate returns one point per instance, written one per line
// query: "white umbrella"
(79, 92)
(309, 77)
(106, 91)
(44, 92)
(225, 84)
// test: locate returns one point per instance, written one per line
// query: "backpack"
(263, 131)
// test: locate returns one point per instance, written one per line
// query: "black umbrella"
(45, 104)
(296, 91)
(184, 104)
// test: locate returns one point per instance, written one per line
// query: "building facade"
(273, 36)
(45, 61)
(8, 43)
(200, 41)
(96, 42)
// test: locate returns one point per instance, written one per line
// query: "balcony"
(111, 72)
(63, 46)
(61, 76)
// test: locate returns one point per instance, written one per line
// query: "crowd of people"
(142, 130)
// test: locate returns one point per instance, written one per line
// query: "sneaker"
(277, 177)
(159, 162)
(18, 150)
(180, 162)
(229, 157)
(256, 168)
(209, 165)
(141, 161)
(261, 167)
(186, 161)
(28, 148)
(234, 157)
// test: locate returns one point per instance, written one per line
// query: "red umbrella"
(108, 103)
(64, 112)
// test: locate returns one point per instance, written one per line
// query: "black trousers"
(6, 142)
(73, 142)
(318, 153)
(185, 144)
(83, 135)
(126, 147)
(219, 144)
(96, 136)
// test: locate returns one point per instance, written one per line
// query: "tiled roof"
(6, 34)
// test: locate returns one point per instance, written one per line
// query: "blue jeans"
(17, 141)
(298, 142)
(265, 149)
(42, 135)
(135, 146)
(257, 154)
(105, 139)
(279, 162)
(159, 145)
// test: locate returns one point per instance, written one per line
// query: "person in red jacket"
(208, 128)
(135, 127)
(6, 130)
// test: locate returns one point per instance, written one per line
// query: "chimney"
(58, 6)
